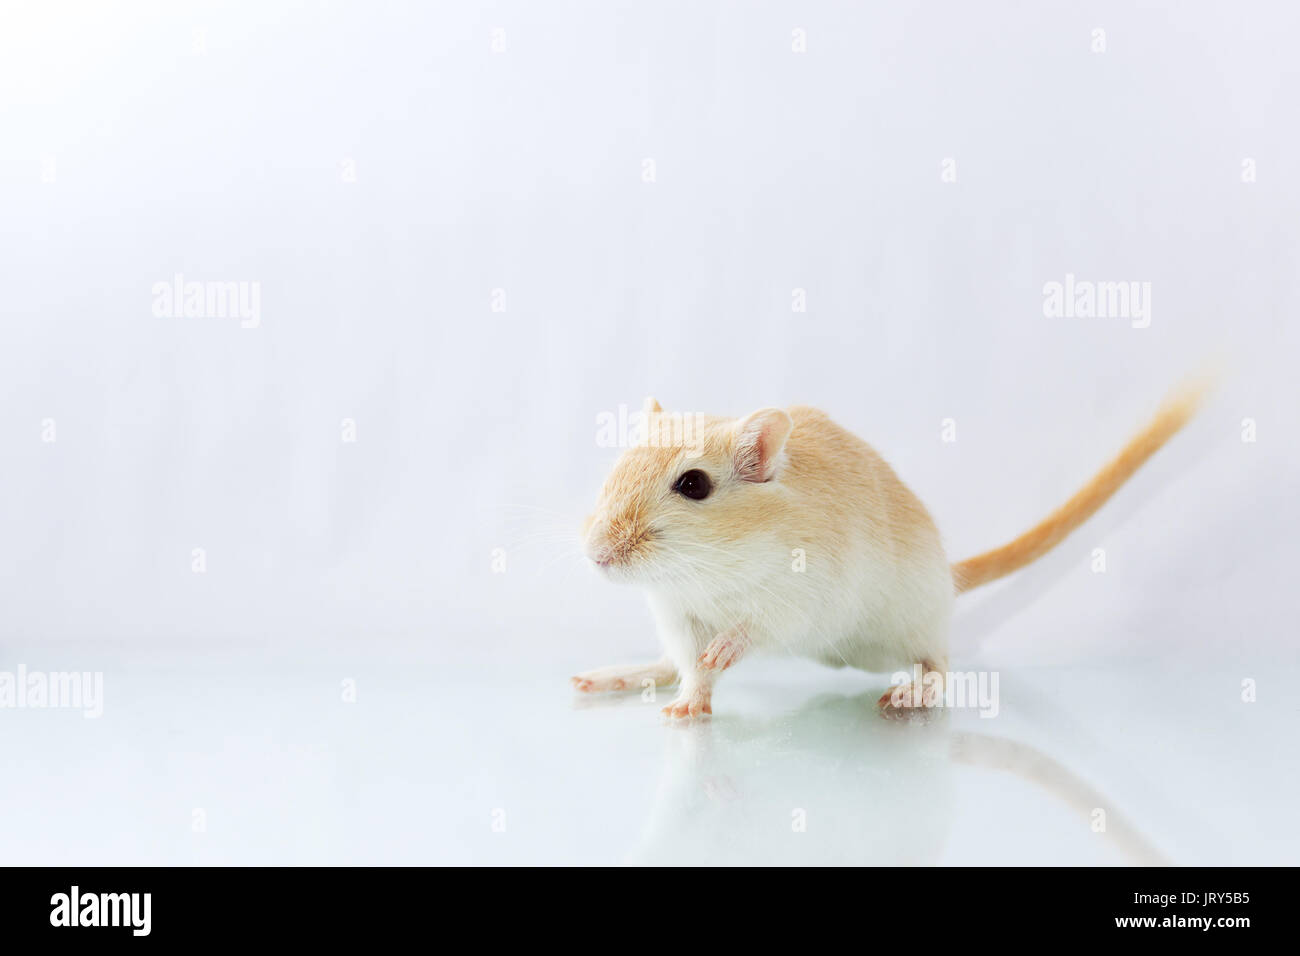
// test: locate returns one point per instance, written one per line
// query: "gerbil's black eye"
(694, 484)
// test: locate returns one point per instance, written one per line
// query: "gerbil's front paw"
(690, 703)
(723, 651)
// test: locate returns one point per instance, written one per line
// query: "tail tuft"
(1174, 413)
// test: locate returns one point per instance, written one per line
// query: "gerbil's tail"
(1177, 409)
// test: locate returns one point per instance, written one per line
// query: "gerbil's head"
(690, 499)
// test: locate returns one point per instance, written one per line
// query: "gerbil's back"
(845, 491)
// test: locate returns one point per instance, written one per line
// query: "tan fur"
(1177, 409)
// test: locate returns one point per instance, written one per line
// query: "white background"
(215, 141)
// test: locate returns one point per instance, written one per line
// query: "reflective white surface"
(507, 767)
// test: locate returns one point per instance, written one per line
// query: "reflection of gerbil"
(827, 784)
(718, 531)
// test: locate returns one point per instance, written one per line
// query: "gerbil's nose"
(600, 548)
(610, 543)
(596, 542)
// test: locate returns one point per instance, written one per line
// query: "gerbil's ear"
(650, 407)
(760, 438)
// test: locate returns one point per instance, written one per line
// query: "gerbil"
(715, 529)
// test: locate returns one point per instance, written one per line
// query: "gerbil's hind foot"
(691, 702)
(922, 698)
(624, 677)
